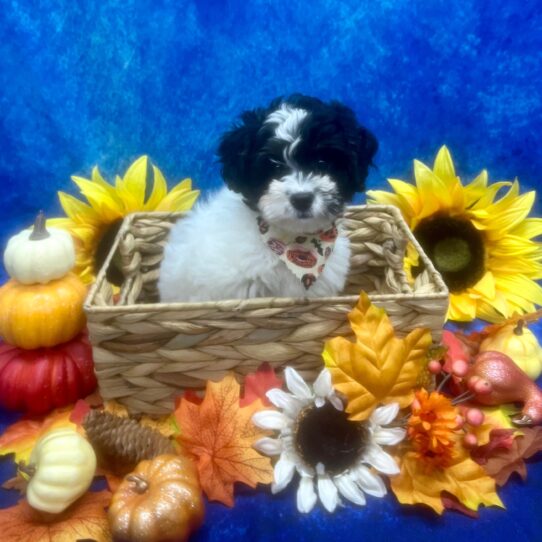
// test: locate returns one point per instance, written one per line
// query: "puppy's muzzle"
(302, 201)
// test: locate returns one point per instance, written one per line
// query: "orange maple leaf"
(84, 520)
(19, 438)
(220, 434)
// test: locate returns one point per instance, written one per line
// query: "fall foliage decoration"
(379, 367)
(220, 435)
(463, 478)
(520, 344)
(334, 456)
(121, 443)
(61, 469)
(431, 429)
(21, 437)
(84, 520)
(507, 453)
(39, 255)
(42, 315)
(257, 384)
(484, 246)
(37, 381)
(160, 500)
(505, 382)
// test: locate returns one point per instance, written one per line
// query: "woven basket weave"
(145, 352)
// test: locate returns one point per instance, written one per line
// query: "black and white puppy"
(273, 232)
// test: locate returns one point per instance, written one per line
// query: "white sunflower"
(333, 456)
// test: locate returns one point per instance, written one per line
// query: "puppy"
(289, 170)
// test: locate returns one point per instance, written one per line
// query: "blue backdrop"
(102, 82)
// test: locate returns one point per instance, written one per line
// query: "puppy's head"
(298, 161)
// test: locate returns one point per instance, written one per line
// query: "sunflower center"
(325, 435)
(452, 254)
(455, 247)
(114, 272)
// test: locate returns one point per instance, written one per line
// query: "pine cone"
(121, 443)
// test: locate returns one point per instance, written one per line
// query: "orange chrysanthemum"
(431, 429)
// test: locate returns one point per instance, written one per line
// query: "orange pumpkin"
(159, 502)
(38, 315)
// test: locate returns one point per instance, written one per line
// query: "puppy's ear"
(237, 148)
(367, 147)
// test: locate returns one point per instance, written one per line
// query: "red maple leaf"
(259, 383)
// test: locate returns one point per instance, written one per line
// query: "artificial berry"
(434, 367)
(470, 440)
(473, 380)
(475, 417)
(460, 367)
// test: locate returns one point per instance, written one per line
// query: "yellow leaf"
(494, 418)
(464, 479)
(379, 367)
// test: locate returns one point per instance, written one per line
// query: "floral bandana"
(305, 254)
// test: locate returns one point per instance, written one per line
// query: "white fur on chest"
(217, 253)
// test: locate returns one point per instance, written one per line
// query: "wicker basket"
(145, 352)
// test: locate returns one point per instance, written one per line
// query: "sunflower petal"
(529, 228)
(135, 181)
(99, 199)
(444, 167)
(462, 308)
(434, 193)
(486, 286)
(159, 190)
(76, 209)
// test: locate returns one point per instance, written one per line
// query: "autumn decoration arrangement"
(45, 357)
(437, 424)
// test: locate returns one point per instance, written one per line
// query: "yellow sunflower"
(484, 246)
(94, 224)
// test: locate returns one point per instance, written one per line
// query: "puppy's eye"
(321, 163)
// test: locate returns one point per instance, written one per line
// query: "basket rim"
(241, 305)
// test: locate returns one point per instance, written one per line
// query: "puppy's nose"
(302, 201)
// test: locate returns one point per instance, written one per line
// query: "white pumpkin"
(63, 465)
(39, 255)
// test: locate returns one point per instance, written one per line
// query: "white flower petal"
(322, 386)
(390, 436)
(283, 473)
(336, 401)
(270, 419)
(370, 483)
(288, 403)
(268, 446)
(327, 491)
(319, 402)
(296, 384)
(306, 496)
(386, 414)
(380, 460)
(349, 490)
(304, 469)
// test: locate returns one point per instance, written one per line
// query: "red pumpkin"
(37, 381)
